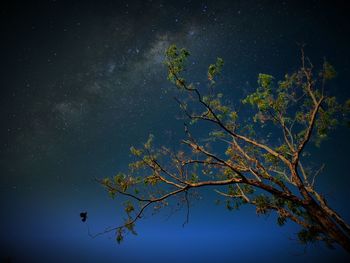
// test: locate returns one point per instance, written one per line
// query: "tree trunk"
(328, 226)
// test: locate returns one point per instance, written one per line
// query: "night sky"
(82, 81)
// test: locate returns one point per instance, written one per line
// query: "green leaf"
(215, 69)
(149, 142)
(151, 180)
(175, 61)
(129, 207)
(262, 202)
(120, 236)
(281, 220)
(265, 81)
(307, 236)
(135, 151)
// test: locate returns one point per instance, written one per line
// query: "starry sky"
(82, 81)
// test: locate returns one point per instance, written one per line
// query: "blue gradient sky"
(82, 81)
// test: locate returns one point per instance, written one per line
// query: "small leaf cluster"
(215, 69)
(328, 118)
(175, 61)
(262, 203)
(308, 235)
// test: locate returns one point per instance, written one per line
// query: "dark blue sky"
(82, 81)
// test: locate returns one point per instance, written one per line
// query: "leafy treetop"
(265, 162)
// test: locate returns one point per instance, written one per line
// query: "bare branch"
(308, 131)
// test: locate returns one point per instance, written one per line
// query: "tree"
(258, 160)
